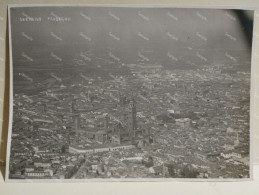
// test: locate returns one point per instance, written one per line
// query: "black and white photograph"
(129, 93)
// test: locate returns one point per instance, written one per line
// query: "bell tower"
(134, 116)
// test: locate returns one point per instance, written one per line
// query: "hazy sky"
(164, 35)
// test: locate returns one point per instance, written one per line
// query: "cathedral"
(123, 130)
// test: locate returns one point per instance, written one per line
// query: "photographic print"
(129, 93)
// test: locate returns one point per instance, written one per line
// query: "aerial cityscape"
(88, 106)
